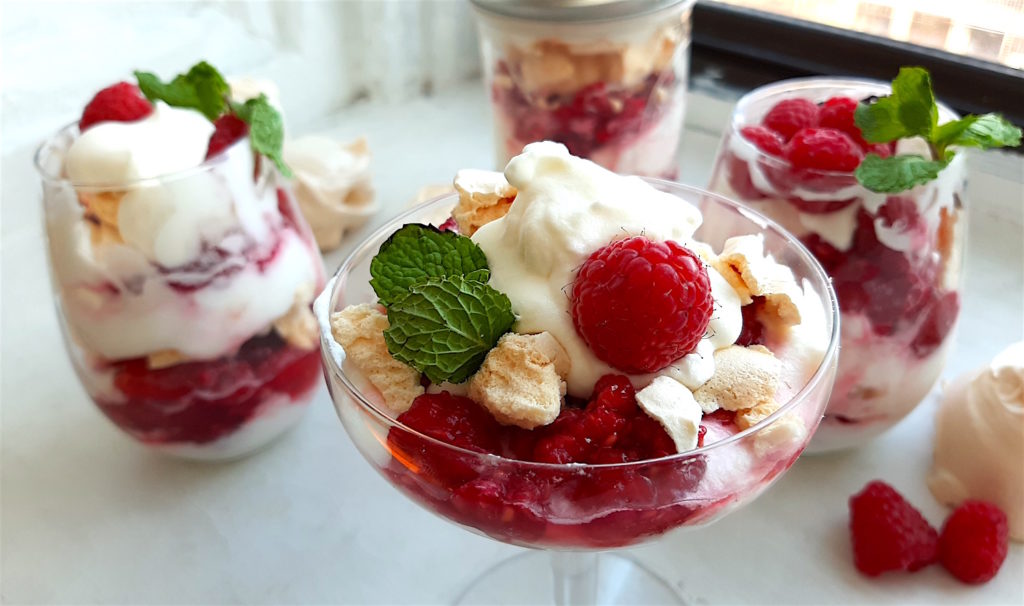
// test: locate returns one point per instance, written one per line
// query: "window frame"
(745, 48)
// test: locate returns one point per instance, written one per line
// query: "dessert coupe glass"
(894, 259)
(576, 510)
(207, 358)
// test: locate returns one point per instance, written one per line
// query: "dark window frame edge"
(774, 47)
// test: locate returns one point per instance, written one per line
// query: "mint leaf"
(202, 88)
(416, 253)
(910, 110)
(266, 129)
(897, 173)
(444, 327)
(880, 122)
(987, 131)
(915, 100)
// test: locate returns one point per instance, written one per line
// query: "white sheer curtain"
(323, 54)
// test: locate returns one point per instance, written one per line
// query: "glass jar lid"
(575, 10)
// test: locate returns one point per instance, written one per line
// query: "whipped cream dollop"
(566, 209)
(114, 153)
(979, 438)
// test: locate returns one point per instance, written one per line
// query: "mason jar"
(607, 78)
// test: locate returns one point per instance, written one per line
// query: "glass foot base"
(528, 579)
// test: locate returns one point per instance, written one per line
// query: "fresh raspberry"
(640, 305)
(823, 149)
(615, 392)
(837, 113)
(122, 102)
(791, 115)
(765, 139)
(753, 330)
(228, 129)
(449, 225)
(937, 324)
(974, 541)
(888, 533)
(883, 150)
(738, 175)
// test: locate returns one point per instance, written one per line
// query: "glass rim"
(49, 178)
(324, 304)
(791, 85)
(583, 12)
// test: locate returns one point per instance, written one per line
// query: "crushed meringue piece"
(483, 197)
(298, 326)
(165, 358)
(748, 417)
(521, 381)
(745, 377)
(783, 435)
(103, 205)
(101, 234)
(359, 329)
(332, 185)
(752, 273)
(549, 66)
(671, 404)
(434, 190)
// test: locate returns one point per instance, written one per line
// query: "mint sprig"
(205, 90)
(897, 173)
(201, 88)
(266, 129)
(911, 111)
(415, 253)
(444, 327)
(444, 316)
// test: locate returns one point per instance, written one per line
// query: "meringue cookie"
(979, 438)
(332, 185)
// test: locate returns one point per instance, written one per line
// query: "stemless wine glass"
(576, 510)
(895, 260)
(185, 299)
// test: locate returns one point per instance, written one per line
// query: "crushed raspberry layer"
(199, 402)
(598, 507)
(595, 116)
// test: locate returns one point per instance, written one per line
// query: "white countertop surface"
(89, 517)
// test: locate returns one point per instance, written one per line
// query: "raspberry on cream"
(167, 141)
(565, 209)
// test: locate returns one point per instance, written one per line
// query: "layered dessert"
(979, 438)
(184, 272)
(881, 209)
(555, 363)
(610, 92)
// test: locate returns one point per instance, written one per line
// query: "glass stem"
(575, 575)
